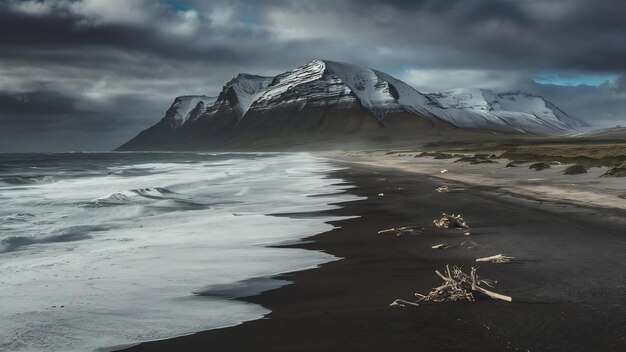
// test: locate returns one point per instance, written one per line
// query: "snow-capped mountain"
(333, 100)
(374, 90)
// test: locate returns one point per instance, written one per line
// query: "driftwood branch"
(403, 303)
(492, 294)
(498, 258)
(457, 286)
(442, 246)
(404, 230)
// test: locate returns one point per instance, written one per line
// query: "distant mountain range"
(333, 102)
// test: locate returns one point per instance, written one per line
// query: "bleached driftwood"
(442, 189)
(498, 258)
(403, 303)
(404, 230)
(476, 287)
(492, 294)
(443, 171)
(457, 286)
(450, 221)
(442, 246)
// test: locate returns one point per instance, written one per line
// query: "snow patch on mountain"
(408, 96)
(372, 91)
(523, 112)
(500, 121)
(531, 107)
(465, 98)
(284, 82)
(247, 88)
(182, 107)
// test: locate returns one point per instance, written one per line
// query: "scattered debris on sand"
(457, 286)
(467, 233)
(616, 172)
(381, 194)
(516, 163)
(442, 246)
(486, 156)
(477, 159)
(442, 189)
(450, 221)
(575, 170)
(404, 230)
(540, 166)
(544, 165)
(381, 179)
(498, 258)
(439, 155)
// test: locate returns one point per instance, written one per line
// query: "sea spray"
(126, 247)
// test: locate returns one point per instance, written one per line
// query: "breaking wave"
(26, 180)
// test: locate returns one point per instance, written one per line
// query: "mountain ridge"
(330, 100)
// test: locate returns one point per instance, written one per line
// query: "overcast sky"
(90, 74)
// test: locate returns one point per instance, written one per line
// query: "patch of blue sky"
(575, 80)
(178, 5)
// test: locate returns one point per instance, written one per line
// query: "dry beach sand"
(585, 189)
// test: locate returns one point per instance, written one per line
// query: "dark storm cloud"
(483, 11)
(35, 103)
(577, 34)
(465, 11)
(572, 34)
(43, 37)
(620, 84)
(109, 68)
(603, 105)
(48, 121)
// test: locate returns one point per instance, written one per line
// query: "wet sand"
(568, 283)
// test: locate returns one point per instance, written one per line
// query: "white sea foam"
(113, 255)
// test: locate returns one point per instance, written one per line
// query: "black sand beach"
(568, 283)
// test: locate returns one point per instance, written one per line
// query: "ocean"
(102, 250)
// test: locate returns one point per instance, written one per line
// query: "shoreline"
(343, 305)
